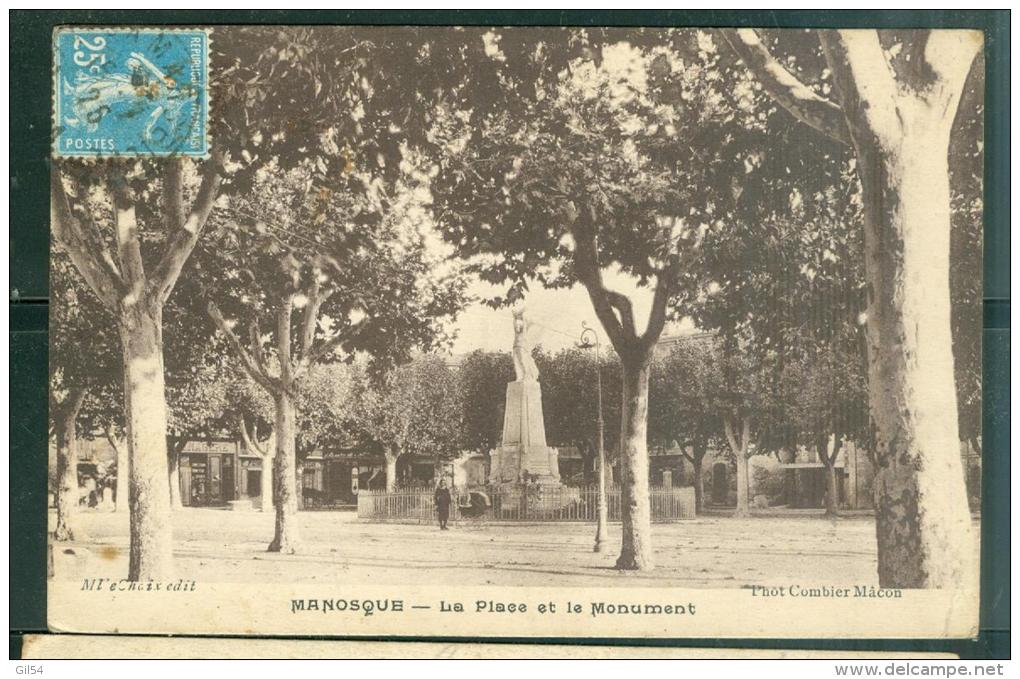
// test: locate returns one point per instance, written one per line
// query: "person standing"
(442, 500)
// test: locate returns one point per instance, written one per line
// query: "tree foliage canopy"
(415, 408)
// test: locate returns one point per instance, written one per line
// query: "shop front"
(332, 480)
(208, 473)
(250, 486)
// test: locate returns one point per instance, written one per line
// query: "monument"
(523, 455)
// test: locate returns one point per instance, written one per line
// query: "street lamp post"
(601, 532)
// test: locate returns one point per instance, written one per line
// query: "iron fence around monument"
(530, 504)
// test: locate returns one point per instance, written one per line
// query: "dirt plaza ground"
(712, 551)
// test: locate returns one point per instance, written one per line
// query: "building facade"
(209, 473)
(216, 473)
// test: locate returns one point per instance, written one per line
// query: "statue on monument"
(523, 452)
(524, 363)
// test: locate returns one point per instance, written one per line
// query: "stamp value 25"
(130, 92)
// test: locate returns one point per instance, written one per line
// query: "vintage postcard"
(519, 332)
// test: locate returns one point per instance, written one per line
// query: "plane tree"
(326, 407)
(411, 409)
(481, 381)
(99, 214)
(684, 393)
(824, 391)
(250, 409)
(570, 402)
(751, 405)
(85, 374)
(311, 278)
(894, 102)
(595, 154)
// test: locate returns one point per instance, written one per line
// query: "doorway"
(720, 483)
(254, 482)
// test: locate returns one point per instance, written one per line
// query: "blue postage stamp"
(131, 92)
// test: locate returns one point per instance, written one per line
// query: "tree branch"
(837, 445)
(129, 246)
(92, 238)
(179, 443)
(257, 374)
(255, 345)
(249, 441)
(731, 436)
(822, 444)
(173, 195)
(182, 241)
(108, 433)
(332, 343)
(951, 52)
(865, 78)
(316, 298)
(624, 308)
(657, 316)
(100, 273)
(739, 446)
(69, 406)
(789, 92)
(603, 300)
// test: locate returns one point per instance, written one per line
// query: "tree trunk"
(266, 498)
(123, 476)
(636, 550)
(740, 443)
(174, 458)
(831, 482)
(151, 555)
(699, 485)
(67, 467)
(922, 517)
(286, 537)
(391, 470)
(899, 119)
(743, 502)
(831, 489)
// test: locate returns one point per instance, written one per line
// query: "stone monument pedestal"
(523, 455)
